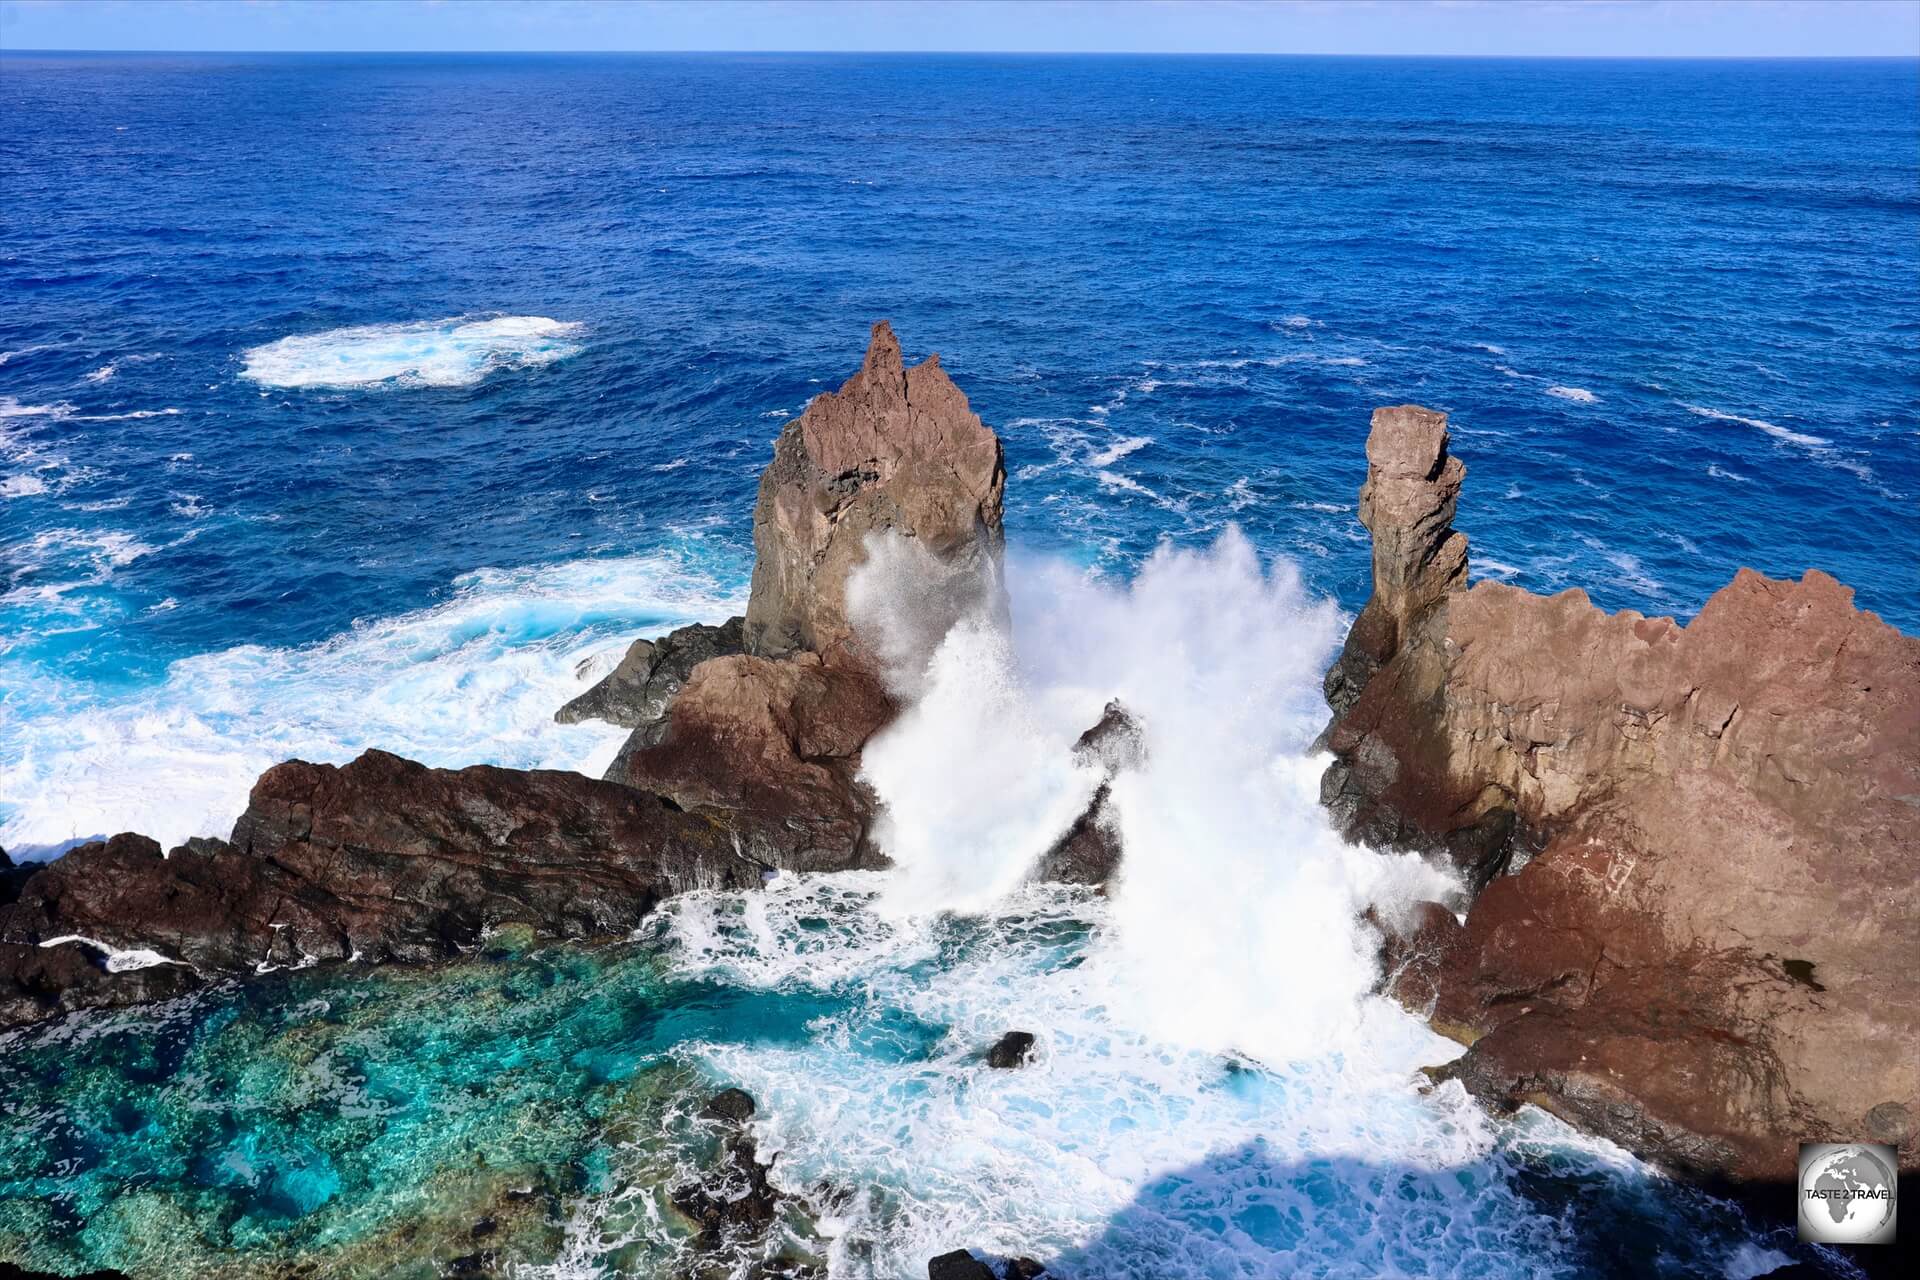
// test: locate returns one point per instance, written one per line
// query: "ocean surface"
(378, 401)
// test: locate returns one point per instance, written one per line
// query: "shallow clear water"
(346, 1118)
(378, 401)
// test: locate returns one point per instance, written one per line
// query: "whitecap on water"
(454, 352)
(1780, 433)
(474, 680)
(1579, 395)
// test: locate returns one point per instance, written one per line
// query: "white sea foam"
(455, 352)
(1579, 395)
(1215, 1093)
(1114, 482)
(978, 775)
(22, 486)
(101, 374)
(474, 680)
(1779, 433)
(131, 416)
(1118, 450)
(118, 960)
(12, 408)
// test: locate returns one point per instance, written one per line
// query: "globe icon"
(1847, 1195)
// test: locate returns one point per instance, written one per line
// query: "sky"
(1664, 28)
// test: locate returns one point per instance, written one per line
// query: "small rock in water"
(732, 1106)
(1025, 1269)
(958, 1265)
(1012, 1050)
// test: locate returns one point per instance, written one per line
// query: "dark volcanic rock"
(636, 694)
(1089, 852)
(383, 859)
(1709, 953)
(12, 877)
(1011, 1050)
(737, 1199)
(729, 1106)
(958, 1265)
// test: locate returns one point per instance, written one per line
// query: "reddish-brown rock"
(1711, 948)
(894, 450)
(769, 749)
(768, 743)
(382, 859)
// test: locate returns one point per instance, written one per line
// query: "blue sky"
(1552, 27)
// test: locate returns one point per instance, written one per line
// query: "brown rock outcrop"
(770, 750)
(894, 450)
(382, 859)
(1710, 947)
(768, 743)
(637, 692)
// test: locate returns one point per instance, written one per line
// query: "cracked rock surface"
(1706, 943)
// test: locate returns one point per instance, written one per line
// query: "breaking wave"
(474, 680)
(456, 352)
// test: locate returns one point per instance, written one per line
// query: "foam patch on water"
(1780, 433)
(1119, 1149)
(1579, 395)
(474, 680)
(456, 352)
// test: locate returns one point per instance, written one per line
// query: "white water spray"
(1235, 917)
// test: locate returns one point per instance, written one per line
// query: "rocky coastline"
(1688, 912)
(1689, 853)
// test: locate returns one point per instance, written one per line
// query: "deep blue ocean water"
(355, 401)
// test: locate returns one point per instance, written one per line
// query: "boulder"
(730, 1106)
(1011, 1050)
(637, 692)
(958, 1265)
(1705, 948)
(1089, 852)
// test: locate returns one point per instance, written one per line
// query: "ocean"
(353, 401)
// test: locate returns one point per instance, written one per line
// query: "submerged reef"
(1691, 851)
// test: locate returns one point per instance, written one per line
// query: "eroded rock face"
(637, 692)
(1407, 504)
(1708, 950)
(382, 859)
(767, 743)
(769, 751)
(895, 449)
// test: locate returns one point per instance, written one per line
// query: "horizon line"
(996, 53)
